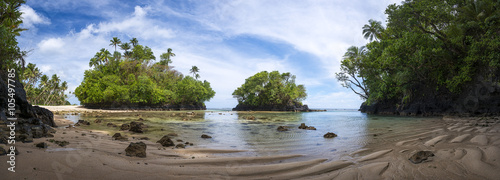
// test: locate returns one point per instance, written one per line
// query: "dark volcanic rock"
(166, 141)
(330, 135)
(180, 145)
(282, 128)
(204, 136)
(125, 127)
(82, 122)
(119, 137)
(137, 127)
(41, 145)
(136, 149)
(303, 126)
(420, 156)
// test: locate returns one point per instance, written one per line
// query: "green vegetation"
(132, 79)
(10, 20)
(270, 90)
(41, 90)
(429, 48)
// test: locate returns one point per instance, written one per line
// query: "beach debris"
(204, 136)
(119, 137)
(165, 141)
(420, 156)
(98, 121)
(125, 127)
(41, 145)
(82, 122)
(180, 145)
(136, 149)
(330, 135)
(282, 128)
(303, 126)
(137, 127)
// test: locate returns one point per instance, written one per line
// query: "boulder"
(119, 137)
(82, 122)
(165, 141)
(125, 127)
(204, 136)
(180, 145)
(41, 145)
(330, 135)
(136, 149)
(137, 127)
(282, 128)
(420, 156)
(303, 126)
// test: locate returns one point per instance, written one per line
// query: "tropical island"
(133, 81)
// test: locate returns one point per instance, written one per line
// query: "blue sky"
(229, 41)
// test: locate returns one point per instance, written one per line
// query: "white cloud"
(30, 17)
(51, 45)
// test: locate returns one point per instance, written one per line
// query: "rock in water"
(125, 127)
(302, 126)
(82, 122)
(330, 135)
(282, 128)
(180, 145)
(136, 149)
(420, 156)
(166, 141)
(98, 121)
(204, 136)
(41, 145)
(136, 127)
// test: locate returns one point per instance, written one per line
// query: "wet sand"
(464, 148)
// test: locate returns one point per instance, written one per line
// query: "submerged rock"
(420, 156)
(204, 136)
(330, 135)
(111, 125)
(282, 128)
(251, 118)
(136, 149)
(180, 145)
(98, 121)
(165, 141)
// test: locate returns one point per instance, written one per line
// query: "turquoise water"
(231, 130)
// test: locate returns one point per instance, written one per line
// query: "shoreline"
(464, 148)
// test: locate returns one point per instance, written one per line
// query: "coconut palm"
(104, 55)
(134, 42)
(125, 46)
(115, 42)
(372, 30)
(194, 70)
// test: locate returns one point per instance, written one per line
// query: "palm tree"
(125, 46)
(134, 41)
(372, 30)
(115, 42)
(104, 55)
(195, 71)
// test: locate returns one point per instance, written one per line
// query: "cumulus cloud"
(30, 17)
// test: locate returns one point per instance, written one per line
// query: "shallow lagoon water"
(232, 130)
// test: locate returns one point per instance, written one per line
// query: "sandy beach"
(463, 148)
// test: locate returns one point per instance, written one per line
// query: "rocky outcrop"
(282, 128)
(32, 121)
(137, 127)
(204, 136)
(125, 127)
(330, 135)
(303, 126)
(119, 137)
(136, 149)
(165, 141)
(482, 97)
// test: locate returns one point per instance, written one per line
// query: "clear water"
(231, 130)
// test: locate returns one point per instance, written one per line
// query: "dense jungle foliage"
(133, 79)
(428, 47)
(270, 89)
